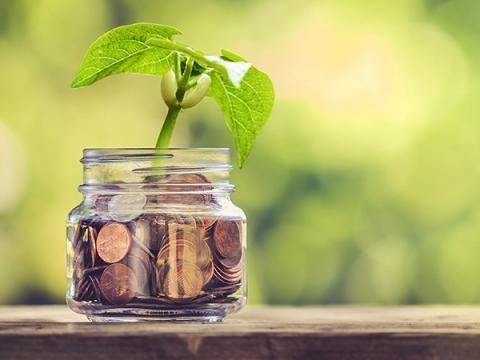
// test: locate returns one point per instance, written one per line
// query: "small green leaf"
(246, 108)
(124, 50)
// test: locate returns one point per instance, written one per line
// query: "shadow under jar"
(156, 237)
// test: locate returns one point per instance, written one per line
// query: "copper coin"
(113, 242)
(227, 278)
(189, 248)
(225, 290)
(181, 252)
(177, 183)
(78, 261)
(96, 287)
(92, 243)
(208, 272)
(159, 228)
(188, 178)
(187, 221)
(227, 238)
(93, 269)
(205, 222)
(187, 232)
(78, 234)
(84, 290)
(118, 284)
(183, 281)
(229, 263)
(229, 275)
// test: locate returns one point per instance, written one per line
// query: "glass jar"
(156, 237)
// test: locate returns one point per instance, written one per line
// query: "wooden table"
(332, 332)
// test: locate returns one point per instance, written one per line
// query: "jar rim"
(200, 149)
(181, 170)
(218, 155)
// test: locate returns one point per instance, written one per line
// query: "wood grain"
(333, 332)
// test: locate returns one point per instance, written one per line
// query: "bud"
(169, 88)
(197, 93)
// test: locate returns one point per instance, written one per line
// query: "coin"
(187, 178)
(192, 179)
(139, 245)
(118, 284)
(205, 222)
(225, 290)
(101, 201)
(93, 269)
(96, 287)
(208, 272)
(180, 252)
(182, 281)
(80, 256)
(139, 262)
(230, 262)
(184, 222)
(84, 289)
(78, 234)
(226, 236)
(149, 229)
(142, 232)
(92, 244)
(126, 207)
(227, 277)
(184, 244)
(159, 228)
(179, 186)
(113, 242)
(145, 234)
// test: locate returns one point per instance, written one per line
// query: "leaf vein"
(232, 110)
(112, 64)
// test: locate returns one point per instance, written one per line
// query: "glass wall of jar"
(156, 237)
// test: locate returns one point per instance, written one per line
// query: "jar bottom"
(204, 313)
(178, 316)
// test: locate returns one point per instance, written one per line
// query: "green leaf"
(246, 108)
(124, 50)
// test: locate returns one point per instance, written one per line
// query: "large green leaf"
(124, 49)
(246, 107)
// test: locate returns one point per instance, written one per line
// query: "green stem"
(182, 87)
(165, 135)
(197, 55)
(178, 72)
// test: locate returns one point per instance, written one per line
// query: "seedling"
(244, 93)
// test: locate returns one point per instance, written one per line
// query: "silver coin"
(126, 207)
(142, 232)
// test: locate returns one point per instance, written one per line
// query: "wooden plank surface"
(333, 332)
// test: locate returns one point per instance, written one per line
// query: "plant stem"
(197, 55)
(182, 86)
(178, 71)
(165, 135)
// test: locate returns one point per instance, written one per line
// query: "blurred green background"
(362, 188)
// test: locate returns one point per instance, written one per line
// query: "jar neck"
(150, 171)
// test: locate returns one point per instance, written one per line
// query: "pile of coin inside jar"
(130, 256)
